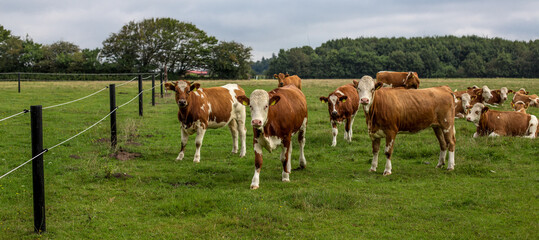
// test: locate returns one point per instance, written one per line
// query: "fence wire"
(76, 135)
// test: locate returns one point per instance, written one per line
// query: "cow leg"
(243, 132)
(233, 126)
(390, 139)
(258, 166)
(285, 159)
(450, 139)
(185, 138)
(301, 140)
(198, 143)
(443, 145)
(375, 151)
(348, 130)
(335, 132)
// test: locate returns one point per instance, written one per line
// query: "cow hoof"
(254, 187)
(450, 169)
(242, 154)
(180, 157)
(440, 165)
(196, 160)
(387, 173)
(286, 179)
(372, 170)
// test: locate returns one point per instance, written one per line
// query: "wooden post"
(161, 82)
(153, 89)
(140, 95)
(19, 82)
(112, 94)
(38, 179)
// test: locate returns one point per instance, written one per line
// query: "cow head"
(503, 93)
(259, 102)
(523, 91)
(412, 80)
(520, 106)
(475, 113)
(182, 89)
(334, 101)
(280, 78)
(365, 89)
(487, 95)
(473, 87)
(466, 101)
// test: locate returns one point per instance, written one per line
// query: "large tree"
(230, 60)
(158, 42)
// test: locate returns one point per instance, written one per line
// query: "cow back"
(512, 123)
(287, 116)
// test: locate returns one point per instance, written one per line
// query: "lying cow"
(343, 104)
(203, 108)
(499, 96)
(531, 100)
(463, 104)
(398, 79)
(497, 123)
(285, 79)
(389, 111)
(276, 116)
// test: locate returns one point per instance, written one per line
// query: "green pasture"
(493, 193)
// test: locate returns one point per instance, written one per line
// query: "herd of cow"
(392, 103)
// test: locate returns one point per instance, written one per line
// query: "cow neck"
(185, 112)
(483, 122)
(371, 110)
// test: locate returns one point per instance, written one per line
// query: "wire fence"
(27, 76)
(76, 135)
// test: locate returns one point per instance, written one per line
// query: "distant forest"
(430, 57)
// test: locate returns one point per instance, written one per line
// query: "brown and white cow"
(398, 79)
(389, 111)
(531, 100)
(466, 99)
(276, 116)
(499, 123)
(499, 96)
(285, 79)
(343, 104)
(203, 108)
(520, 106)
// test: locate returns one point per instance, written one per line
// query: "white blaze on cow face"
(466, 100)
(475, 113)
(259, 103)
(365, 90)
(487, 95)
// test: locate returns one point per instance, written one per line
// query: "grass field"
(492, 194)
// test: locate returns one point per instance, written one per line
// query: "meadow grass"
(492, 193)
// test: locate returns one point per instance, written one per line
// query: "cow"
(499, 96)
(494, 123)
(520, 106)
(398, 79)
(276, 116)
(343, 104)
(203, 108)
(285, 79)
(462, 104)
(531, 100)
(523, 91)
(389, 111)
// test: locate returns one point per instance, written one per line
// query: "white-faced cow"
(389, 111)
(498, 123)
(343, 104)
(203, 108)
(398, 79)
(276, 116)
(285, 79)
(499, 96)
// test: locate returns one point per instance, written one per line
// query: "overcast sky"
(268, 26)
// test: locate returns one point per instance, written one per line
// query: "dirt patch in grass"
(74, 156)
(118, 175)
(102, 140)
(187, 184)
(124, 155)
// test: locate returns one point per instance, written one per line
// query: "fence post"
(153, 89)
(19, 80)
(140, 95)
(161, 82)
(38, 179)
(112, 94)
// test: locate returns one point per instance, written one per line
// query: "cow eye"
(476, 112)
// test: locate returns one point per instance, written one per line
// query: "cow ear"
(195, 86)
(378, 85)
(459, 98)
(343, 98)
(355, 82)
(274, 100)
(287, 75)
(170, 86)
(498, 91)
(473, 97)
(484, 110)
(510, 91)
(275, 76)
(527, 93)
(243, 100)
(323, 99)
(512, 104)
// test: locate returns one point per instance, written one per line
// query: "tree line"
(147, 46)
(431, 57)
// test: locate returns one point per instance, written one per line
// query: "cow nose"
(256, 123)
(182, 102)
(468, 119)
(281, 84)
(364, 101)
(334, 113)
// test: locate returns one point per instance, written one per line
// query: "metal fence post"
(153, 89)
(140, 95)
(19, 80)
(112, 94)
(38, 179)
